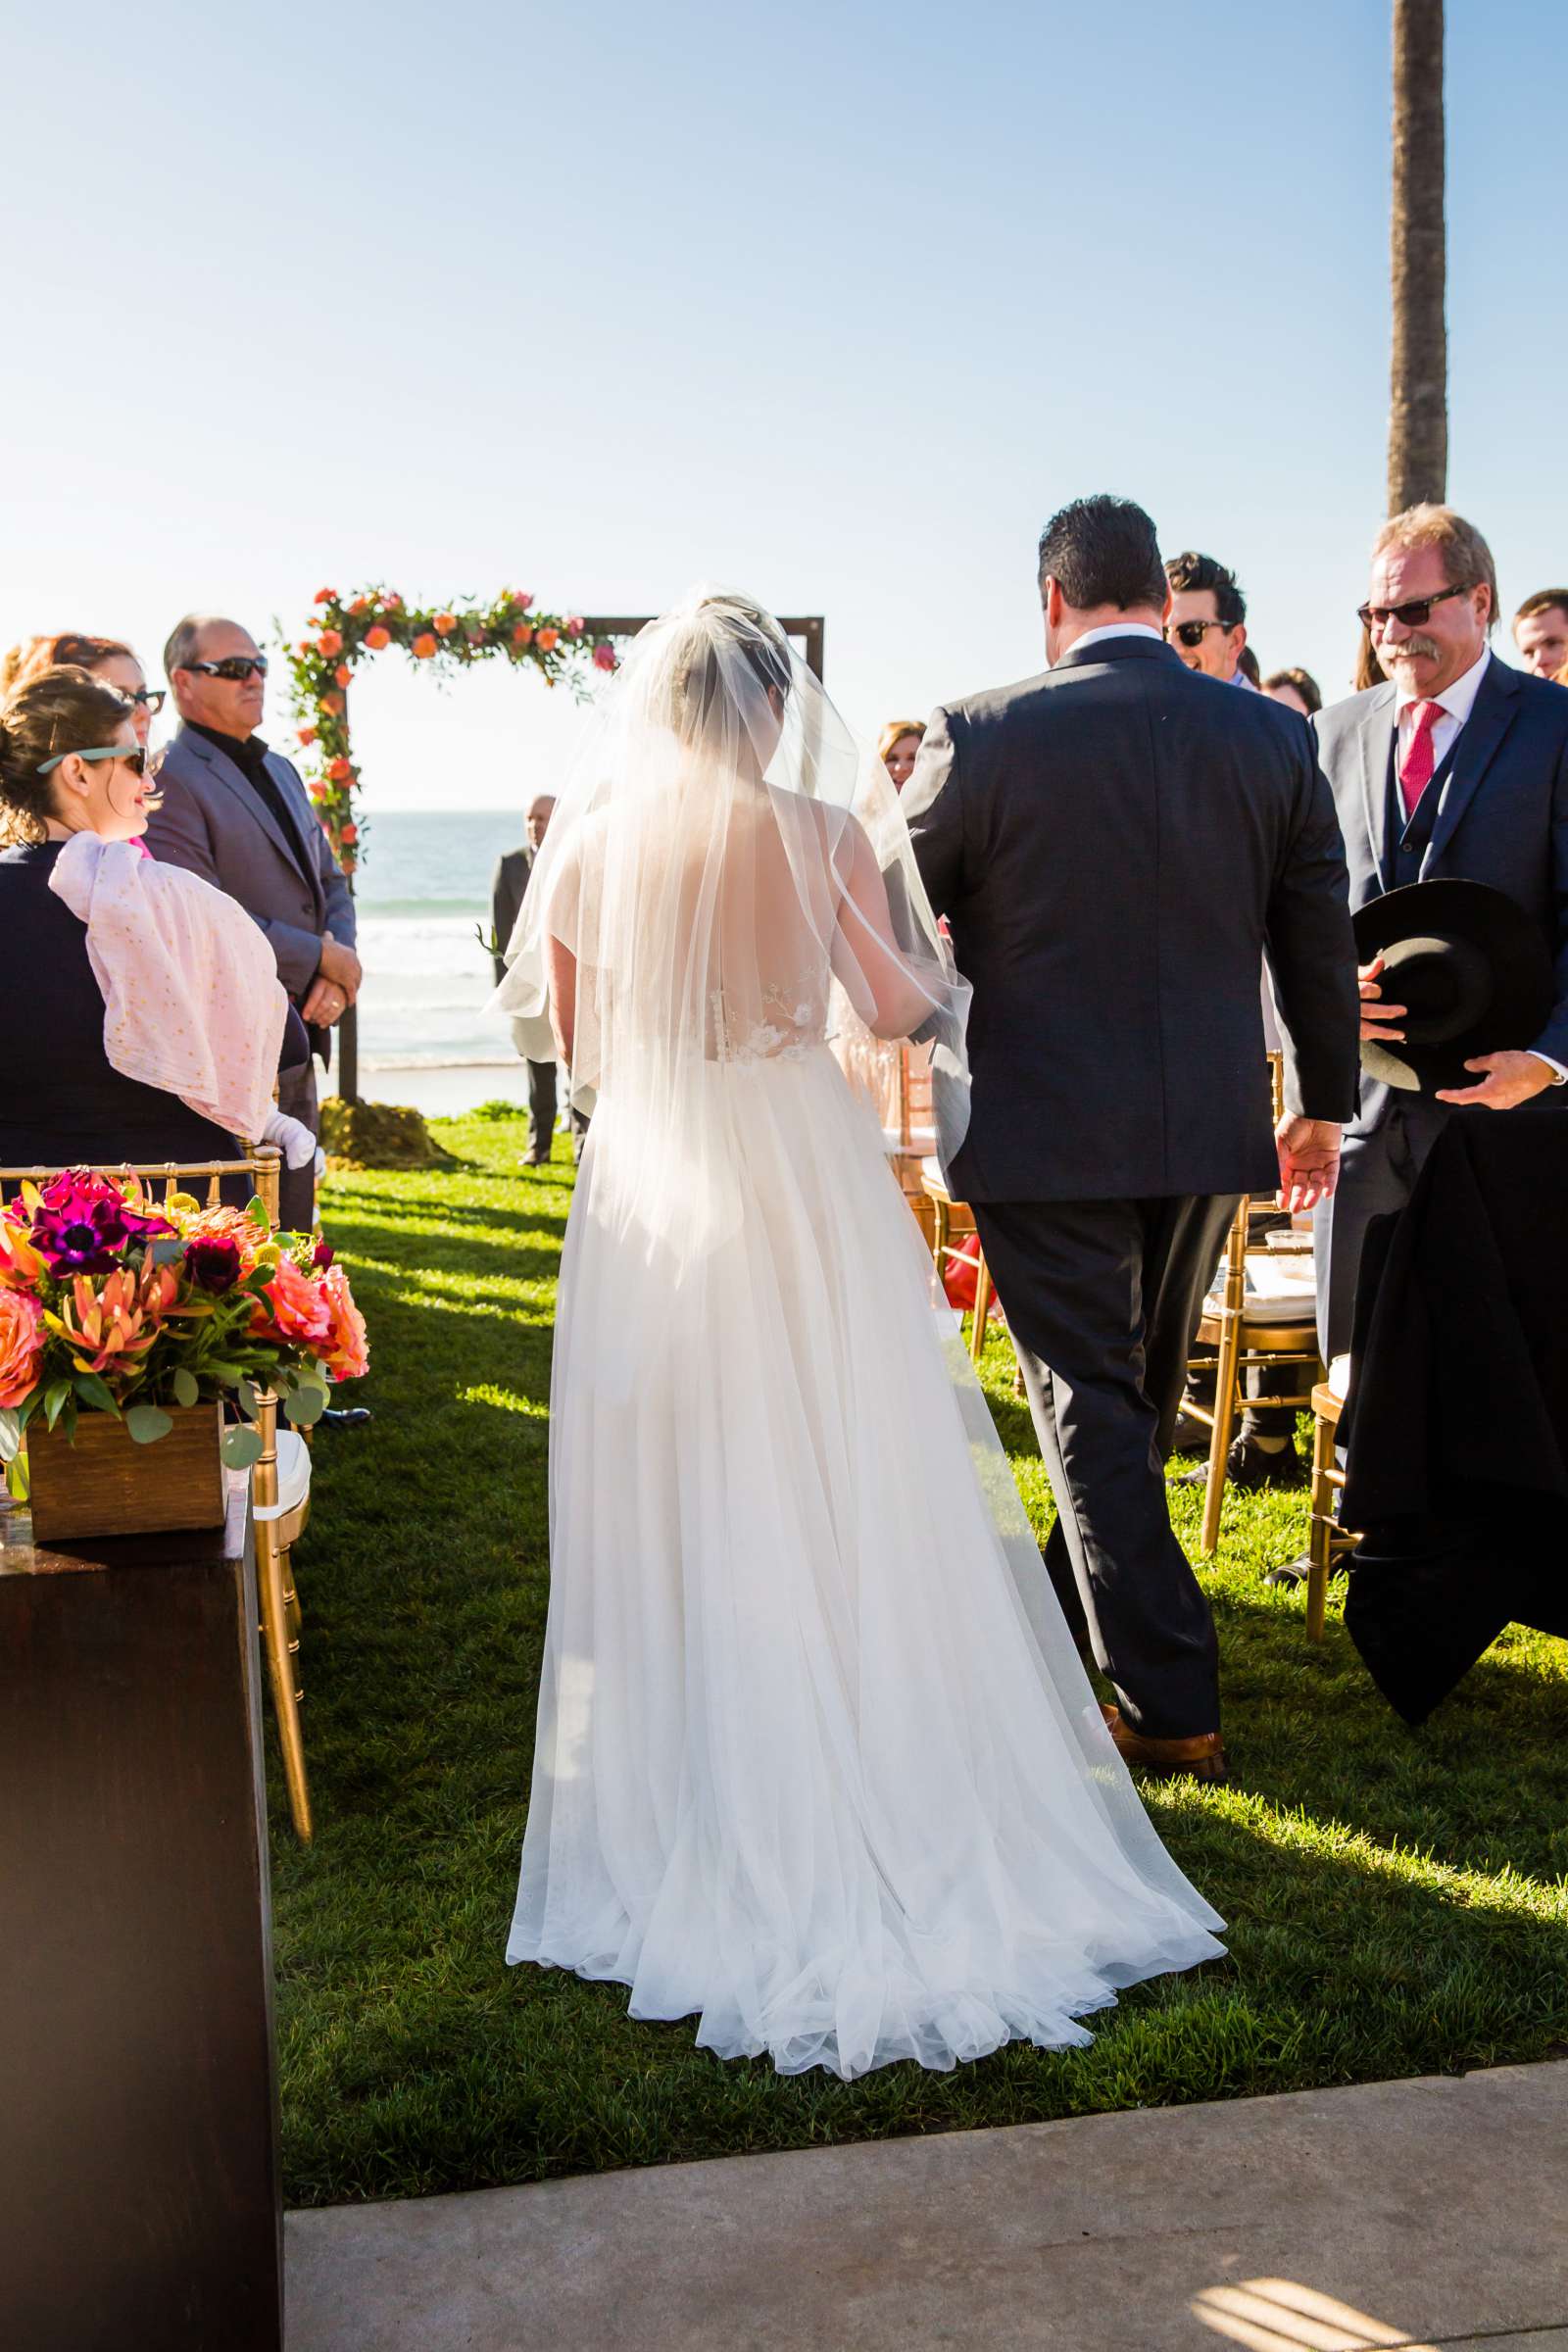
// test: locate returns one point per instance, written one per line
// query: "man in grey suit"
(1116, 845)
(237, 814)
(1458, 766)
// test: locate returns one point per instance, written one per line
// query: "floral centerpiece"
(113, 1302)
(347, 630)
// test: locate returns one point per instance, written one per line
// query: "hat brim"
(1519, 963)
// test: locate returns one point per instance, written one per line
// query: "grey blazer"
(1116, 845)
(214, 825)
(1503, 817)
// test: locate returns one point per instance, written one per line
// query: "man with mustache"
(1456, 767)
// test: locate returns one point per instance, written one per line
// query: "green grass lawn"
(1396, 1900)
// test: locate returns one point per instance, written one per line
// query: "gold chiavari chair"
(1328, 1541)
(277, 1595)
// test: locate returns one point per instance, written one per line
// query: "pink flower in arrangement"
(347, 1353)
(604, 657)
(20, 1346)
(575, 625)
(301, 1314)
(84, 1222)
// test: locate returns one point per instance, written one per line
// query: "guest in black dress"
(70, 763)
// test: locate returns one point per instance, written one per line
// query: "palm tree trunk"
(1418, 414)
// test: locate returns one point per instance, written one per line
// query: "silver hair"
(183, 639)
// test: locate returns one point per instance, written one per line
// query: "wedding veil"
(730, 873)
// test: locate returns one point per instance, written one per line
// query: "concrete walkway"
(1432, 2212)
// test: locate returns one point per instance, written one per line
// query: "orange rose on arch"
(444, 624)
(335, 704)
(549, 639)
(343, 673)
(424, 646)
(340, 770)
(377, 639)
(329, 642)
(522, 634)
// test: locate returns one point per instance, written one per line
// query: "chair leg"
(982, 1307)
(939, 1226)
(1320, 1531)
(272, 1586)
(1219, 1444)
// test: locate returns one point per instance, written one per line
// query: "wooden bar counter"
(138, 2115)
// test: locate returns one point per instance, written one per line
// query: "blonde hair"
(1466, 558)
(894, 728)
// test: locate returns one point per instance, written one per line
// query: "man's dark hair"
(1190, 571)
(1102, 551)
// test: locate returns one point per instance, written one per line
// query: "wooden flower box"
(103, 1484)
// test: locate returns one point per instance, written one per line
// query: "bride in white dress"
(816, 1759)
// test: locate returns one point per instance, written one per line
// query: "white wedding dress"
(816, 1761)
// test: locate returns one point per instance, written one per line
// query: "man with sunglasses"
(236, 812)
(1208, 619)
(1456, 767)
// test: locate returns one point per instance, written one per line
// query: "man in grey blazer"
(237, 814)
(1116, 845)
(1458, 766)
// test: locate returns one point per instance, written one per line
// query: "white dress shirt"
(1457, 700)
(1115, 628)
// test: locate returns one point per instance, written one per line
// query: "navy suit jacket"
(1503, 817)
(1116, 845)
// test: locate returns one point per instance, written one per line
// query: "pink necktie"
(1415, 774)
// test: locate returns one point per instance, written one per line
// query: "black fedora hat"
(1471, 967)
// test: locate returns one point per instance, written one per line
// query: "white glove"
(292, 1137)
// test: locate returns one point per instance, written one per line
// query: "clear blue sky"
(835, 303)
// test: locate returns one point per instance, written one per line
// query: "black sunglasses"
(151, 699)
(1411, 616)
(1191, 632)
(234, 671)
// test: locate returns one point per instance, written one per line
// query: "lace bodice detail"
(794, 1022)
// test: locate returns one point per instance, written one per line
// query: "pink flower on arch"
(604, 657)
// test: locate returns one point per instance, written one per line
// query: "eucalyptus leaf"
(147, 1423)
(249, 1401)
(242, 1445)
(303, 1406)
(186, 1387)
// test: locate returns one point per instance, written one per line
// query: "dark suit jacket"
(1503, 817)
(1114, 844)
(508, 890)
(214, 824)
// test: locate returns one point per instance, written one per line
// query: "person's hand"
(1375, 1014)
(341, 966)
(324, 1005)
(1310, 1160)
(1510, 1078)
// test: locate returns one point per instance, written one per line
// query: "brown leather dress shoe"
(1201, 1758)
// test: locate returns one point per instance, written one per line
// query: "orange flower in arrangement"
(301, 1313)
(347, 1353)
(329, 642)
(549, 639)
(335, 704)
(340, 770)
(111, 1330)
(424, 646)
(522, 634)
(444, 624)
(307, 735)
(377, 638)
(361, 604)
(20, 1264)
(21, 1340)
(343, 673)
(325, 596)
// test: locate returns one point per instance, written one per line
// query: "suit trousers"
(1377, 1173)
(542, 1083)
(1102, 1298)
(296, 1189)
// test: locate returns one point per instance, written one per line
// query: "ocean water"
(422, 892)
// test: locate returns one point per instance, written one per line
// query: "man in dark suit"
(238, 815)
(510, 887)
(1458, 765)
(1115, 844)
